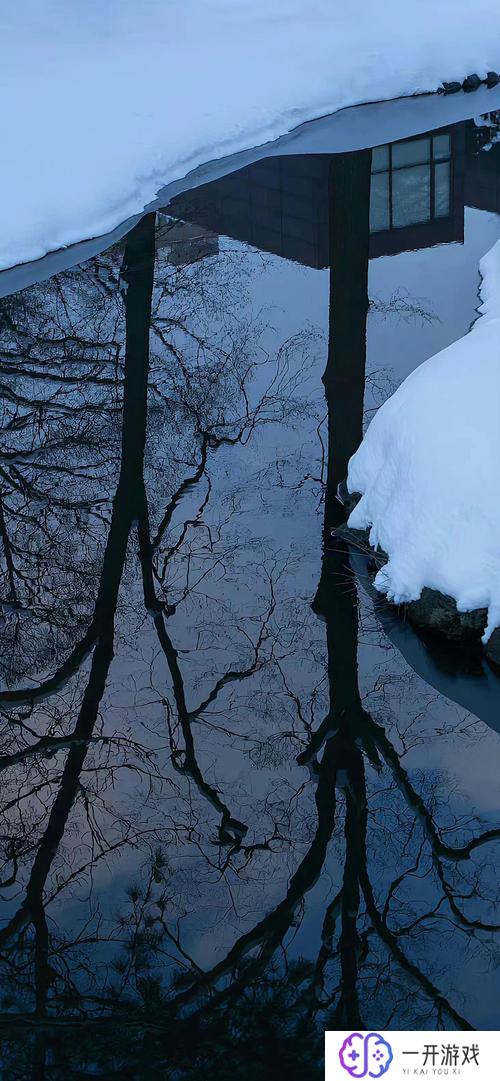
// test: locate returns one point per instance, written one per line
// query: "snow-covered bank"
(104, 101)
(427, 470)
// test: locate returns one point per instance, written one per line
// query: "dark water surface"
(241, 801)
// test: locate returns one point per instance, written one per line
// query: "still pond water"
(242, 801)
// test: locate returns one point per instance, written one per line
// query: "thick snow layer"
(104, 101)
(428, 470)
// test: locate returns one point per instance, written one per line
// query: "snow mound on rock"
(428, 470)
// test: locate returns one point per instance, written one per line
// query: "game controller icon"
(365, 1056)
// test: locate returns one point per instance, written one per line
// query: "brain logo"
(365, 1056)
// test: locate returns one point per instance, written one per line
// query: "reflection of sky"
(272, 489)
(445, 279)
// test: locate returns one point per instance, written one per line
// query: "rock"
(433, 611)
(472, 82)
(347, 498)
(436, 612)
(492, 649)
(492, 79)
(451, 88)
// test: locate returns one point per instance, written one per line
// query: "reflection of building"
(183, 242)
(417, 192)
(281, 204)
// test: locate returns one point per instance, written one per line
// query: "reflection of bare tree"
(236, 769)
(337, 754)
(138, 273)
(50, 474)
(344, 376)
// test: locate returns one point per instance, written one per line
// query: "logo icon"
(365, 1056)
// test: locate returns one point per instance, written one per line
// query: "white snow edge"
(107, 101)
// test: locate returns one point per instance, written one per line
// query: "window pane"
(441, 145)
(379, 203)
(380, 158)
(411, 190)
(411, 153)
(442, 190)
